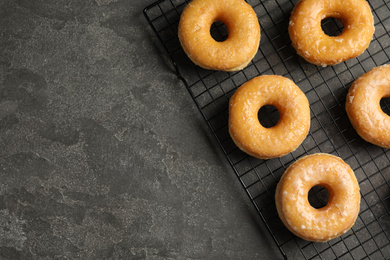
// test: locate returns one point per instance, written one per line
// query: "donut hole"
(318, 196)
(385, 105)
(268, 116)
(219, 31)
(332, 26)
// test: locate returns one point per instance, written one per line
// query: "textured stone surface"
(103, 154)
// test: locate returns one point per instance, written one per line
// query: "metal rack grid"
(330, 132)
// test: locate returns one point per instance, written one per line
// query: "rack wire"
(330, 132)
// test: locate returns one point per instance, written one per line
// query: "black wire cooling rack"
(330, 132)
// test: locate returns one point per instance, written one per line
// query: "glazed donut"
(294, 117)
(363, 107)
(330, 221)
(230, 55)
(315, 46)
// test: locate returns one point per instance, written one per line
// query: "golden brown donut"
(230, 55)
(294, 116)
(363, 107)
(293, 206)
(315, 46)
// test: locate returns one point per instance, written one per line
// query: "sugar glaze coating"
(230, 55)
(294, 209)
(315, 46)
(363, 106)
(294, 116)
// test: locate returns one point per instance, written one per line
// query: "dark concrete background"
(103, 154)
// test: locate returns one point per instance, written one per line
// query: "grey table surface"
(103, 154)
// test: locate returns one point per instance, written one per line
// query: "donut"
(363, 107)
(316, 47)
(230, 55)
(294, 116)
(330, 221)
